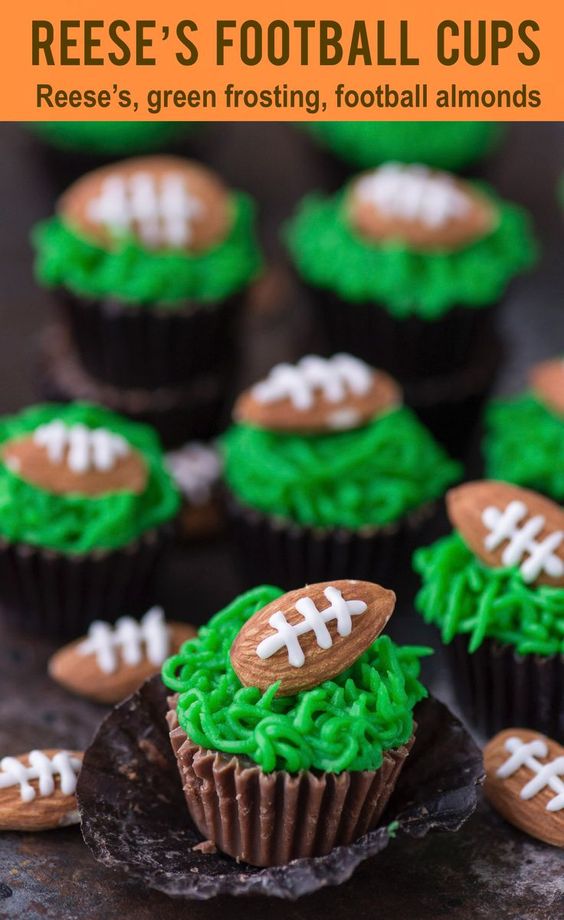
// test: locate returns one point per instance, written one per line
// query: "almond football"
(73, 459)
(547, 381)
(37, 790)
(112, 661)
(162, 202)
(310, 635)
(318, 395)
(508, 526)
(425, 209)
(525, 782)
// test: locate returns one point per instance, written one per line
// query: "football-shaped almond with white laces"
(426, 209)
(162, 202)
(547, 381)
(65, 459)
(112, 661)
(318, 395)
(525, 782)
(507, 526)
(310, 635)
(37, 790)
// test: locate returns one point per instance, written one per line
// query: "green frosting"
(343, 724)
(76, 523)
(524, 444)
(441, 144)
(329, 254)
(135, 276)
(462, 595)
(372, 475)
(110, 138)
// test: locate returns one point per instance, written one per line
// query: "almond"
(163, 202)
(122, 660)
(31, 462)
(547, 381)
(508, 526)
(310, 635)
(425, 209)
(37, 790)
(318, 395)
(525, 782)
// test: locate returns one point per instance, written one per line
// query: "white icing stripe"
(195, 468)
(335, 377)
(131, 639)
(413, 192)
(540, 556)
(315, 621)
(548, 774)
(87, 448)
(162, 211)
(14, 773)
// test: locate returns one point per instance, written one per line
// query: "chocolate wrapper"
(498, 688)
(198, 411)
(134, 816)
(270, 819)
(280, 552)
(44, 592)
(146, 347)
(411, 349)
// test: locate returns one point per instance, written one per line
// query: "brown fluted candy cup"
(270, 819)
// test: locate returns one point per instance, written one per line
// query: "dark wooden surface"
(487, 871)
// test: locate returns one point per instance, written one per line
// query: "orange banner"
(312, 60)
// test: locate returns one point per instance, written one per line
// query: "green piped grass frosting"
(109, 138)
(343, 724)
(442, 144)
(133, 275)
(462, 596)
(524, 444)
(370, 476)
(329, 254)
(78, 524)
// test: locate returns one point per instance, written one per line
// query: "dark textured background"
(485, 872)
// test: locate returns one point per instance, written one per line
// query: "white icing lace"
(85, 448)
(131, 639)
(162, 211)
(335, 377)
(524, 754)
(539, 556)
(314, 620)
(413, 192)
(14, 773)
